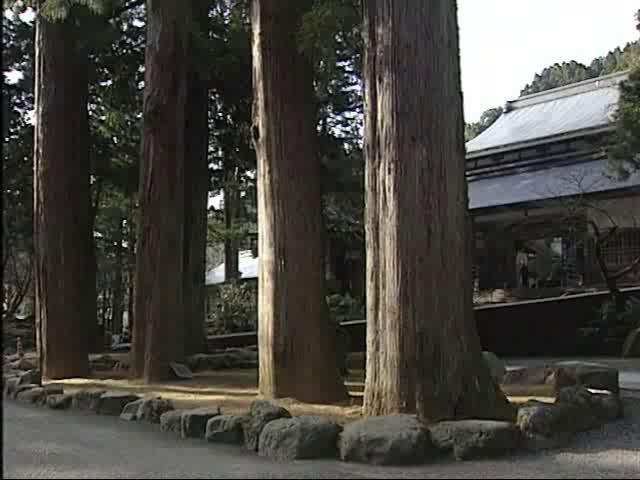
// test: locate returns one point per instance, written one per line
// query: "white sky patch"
(215, 201)
(504, 43)
(28, 16)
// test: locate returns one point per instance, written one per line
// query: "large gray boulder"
(86, 399)
(590, 375)
(112, 403)
(226, 429)
(31, 377)
(146, 410)
(242, 354)
(151, 409)
(566, 374)
(53, 389)
(59, 402)
(547, 425)
(10, 386)
(260, 413)
(130, 411)
(529, 376)
(470, 439)
(171, 421)
(194, 422)
(299, 438)
(496, 366)
(390, 440)
(22, 364)
(35, 394)
(205, 361)
(600, 405)
(23, 388)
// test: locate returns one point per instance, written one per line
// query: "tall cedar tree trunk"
(196, 194)
(423, 351)
(61, 199)
(296, 342)
(159, 305)
(231, 249)
(118, 283)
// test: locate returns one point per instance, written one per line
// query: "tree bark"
(196, 195)
(297, 343)
(231, 200)
(96, 340)
(423, 351)
(118, 284)
(61, 199)
(159, 305)
(131, 287)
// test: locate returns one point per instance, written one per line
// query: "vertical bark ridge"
(296, 340)
(429, 357)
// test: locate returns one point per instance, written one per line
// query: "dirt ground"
(231, 390)
(234, 390)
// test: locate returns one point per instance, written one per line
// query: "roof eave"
(605, 128)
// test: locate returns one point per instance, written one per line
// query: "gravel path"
(40, 443)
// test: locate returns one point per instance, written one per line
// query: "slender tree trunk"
(5, 247)
(61, 199)
(118, 283)
(196, 195)
(131, 300)
(105, 302)
(159, 310)
(297, 343)
(423, 351)
(96, 343)
(131, 278)
(231, 199)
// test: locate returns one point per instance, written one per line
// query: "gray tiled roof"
(542, 184)
(561, 111)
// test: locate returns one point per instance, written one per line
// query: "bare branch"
(596, 229)
(626, 270)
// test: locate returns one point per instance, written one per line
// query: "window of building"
(623, 248)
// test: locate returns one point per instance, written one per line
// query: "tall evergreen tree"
(423, 351)
(158, 336)
(296, 343)
(196, 177)
(64, 308)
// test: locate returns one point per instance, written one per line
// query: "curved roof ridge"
(577, 88)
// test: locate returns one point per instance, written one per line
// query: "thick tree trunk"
(297, 343)
(61, 199)
(118, 283)
(196, 195)
(159, 309)
(423, 351)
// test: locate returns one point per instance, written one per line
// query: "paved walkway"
(40, 443)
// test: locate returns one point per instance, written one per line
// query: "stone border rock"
(224, 359)
(271, 431)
